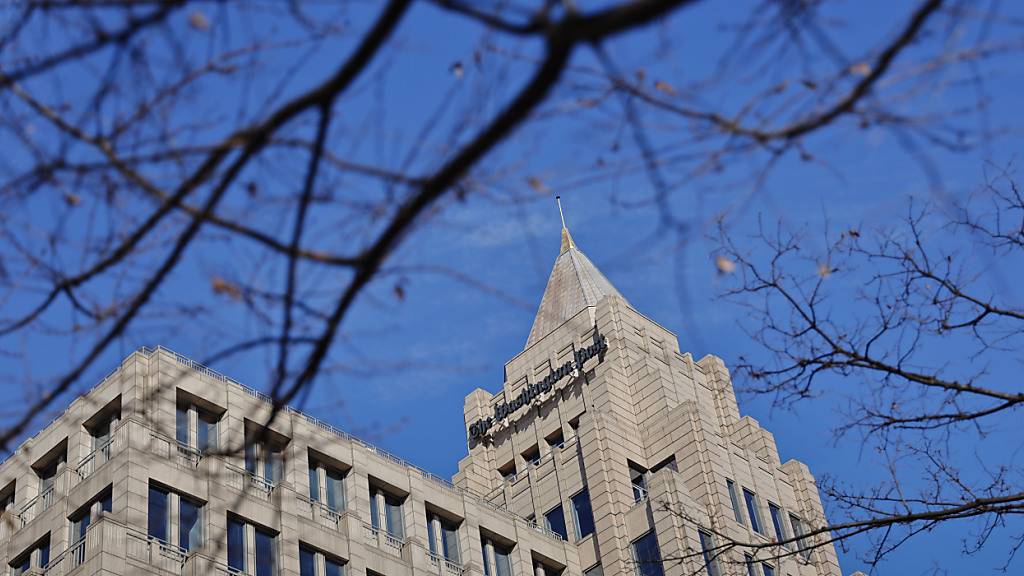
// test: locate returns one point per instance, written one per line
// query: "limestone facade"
(624, 456)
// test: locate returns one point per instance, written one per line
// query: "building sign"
(532, 391)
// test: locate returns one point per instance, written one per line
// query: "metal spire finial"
(566, 237)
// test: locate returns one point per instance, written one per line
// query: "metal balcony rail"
(102, 454)
(38, 505)
(245, 481)
(448, 566)
(319, 511)
(383, 539)
(639, 493)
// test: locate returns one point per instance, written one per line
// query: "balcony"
(245, 481)
(36, 506)
(172, 451)
(320, 513)
(117, 542)
(384, 540)
(102, 454)
(445, 567)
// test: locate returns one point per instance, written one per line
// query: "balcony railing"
(102, 454)
(384, 540)
(174, 451)
(40, 503)
(319, 512)
(445, 566)
(639, 493)
(106, 534)
(245, 481)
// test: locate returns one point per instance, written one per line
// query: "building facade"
(606, 452)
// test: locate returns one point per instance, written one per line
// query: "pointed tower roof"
(574, 285)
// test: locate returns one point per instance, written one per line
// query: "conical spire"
(575, 284)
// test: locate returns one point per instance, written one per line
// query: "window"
(38, 556)
(307, 562)
(264, 460)
(638, 480)
(647, 555)
(583, 516)
(7, 498)
(556, 439)
(326, 485)
(752, 513)
(190, 519)
(798, 531)
(190, 524)
(707, 551)
(103, 430)
(554, 520)
(386, 513)
(236, 545)
(767, 569)
(443, 537)
(776, 515)
(594, 570)
(195, 426)
(502, 557)
(532, 455)
(48, 477)
(669, 463)
(735, 501)
(508, 471)
(91, 512)
(310, 559)
(264, 554)
(159, 519)
(748, 561)
(503, 561)
(265, 561)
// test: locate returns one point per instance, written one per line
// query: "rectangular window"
(798, 531)
(555, 521)
(314, 482)
(446, 541)
(647, 555)
(307, 562)
(332, 568)
(767, 569)
(263, 460)
(708, 552)
(776, 515)
(236, 545)
(389, 518)
(335, 490)
(207, 433)
(24, 563)
(181, 425)
(84, 518)
(265, 553)
(502, 561)
(190, 524)
(582, 514)
(637, 477)
(532, 455)
(748, 561)
(594, 570)
(159, 519)
(752, 513)
(735, 501)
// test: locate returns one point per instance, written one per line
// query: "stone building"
(606, 452)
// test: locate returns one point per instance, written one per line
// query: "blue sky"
(410, 362)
